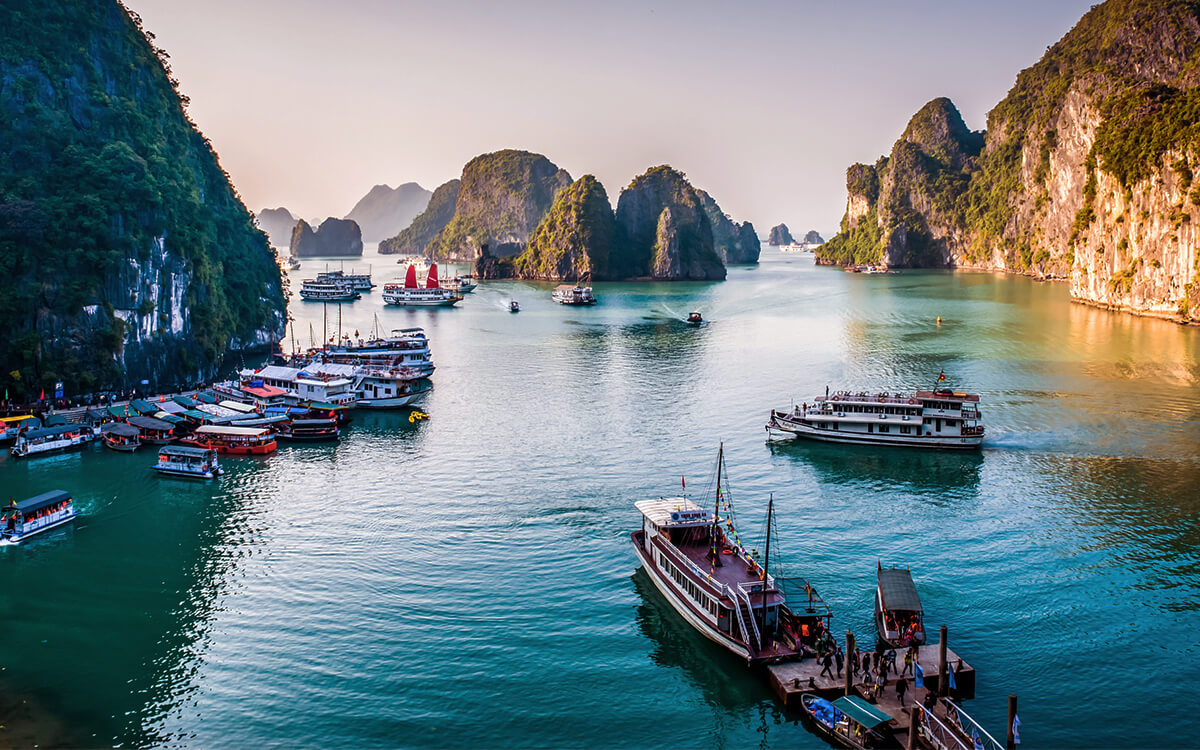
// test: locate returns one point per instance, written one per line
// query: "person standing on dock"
(866, 666)
(901, 689)
(839, 658)
(908, 661)
(852, 661)
(827, 661)
(889, 662)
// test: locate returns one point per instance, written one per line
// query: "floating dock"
(790, 680)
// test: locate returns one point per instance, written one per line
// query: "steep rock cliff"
(813, 237)
(334, 238)
(278, 223)
(385, 211)
(667, 234)
(125, 253)
(1086, 173)
(780, 235)
(734, 242)
(575, 238)
(501, 198)
(415, 238)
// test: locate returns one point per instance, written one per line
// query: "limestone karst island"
(784, 374)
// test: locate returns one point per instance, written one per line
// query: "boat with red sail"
(431, 295)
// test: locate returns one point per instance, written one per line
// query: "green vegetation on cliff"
(101, 172)
(575, 238)
(666, 230)
(415, 238)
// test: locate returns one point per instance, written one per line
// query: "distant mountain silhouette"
(278, 223)
(384, 211)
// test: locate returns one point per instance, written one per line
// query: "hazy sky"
(763, 104)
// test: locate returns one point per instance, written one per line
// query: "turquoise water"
(468, 580)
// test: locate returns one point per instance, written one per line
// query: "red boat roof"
(264, 391)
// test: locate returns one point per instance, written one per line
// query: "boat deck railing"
(936, 733)
(966, 727)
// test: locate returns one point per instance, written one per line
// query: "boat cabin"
(121, 436)
(898, 614)
(10, 426)
(242, 441)
(49, 439)
(35, 515)
(153, 430)
(849, 721)
(570, 294)
(188, 461)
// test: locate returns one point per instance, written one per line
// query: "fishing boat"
(234, 441)
(188, 461)
(461, 283)
(21, 520)
(50, 439)
(568, 294)
(938, 418)
(696, 559)
(514, 306)
(695, 318)
(120, 436)
(409, 294)
(360, 282)
(327, 291)
(849, 721)
(898, 614)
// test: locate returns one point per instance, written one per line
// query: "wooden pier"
(790, 680)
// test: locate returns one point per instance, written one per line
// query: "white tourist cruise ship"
(924, 419)
(405, 348)
(409, 294)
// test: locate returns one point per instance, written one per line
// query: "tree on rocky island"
(780, 235)
(666, 231)
(575, 239)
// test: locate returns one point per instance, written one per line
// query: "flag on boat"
(683, 481)
(1016, 725)
(950, 674)
(919, 676)
(941, 376)
(43, 396)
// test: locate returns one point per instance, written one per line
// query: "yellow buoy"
(416, 416)
(939, 320)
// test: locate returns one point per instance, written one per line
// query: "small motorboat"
(119, 436)
(898, 613)
(849, 721)
(695, 318)
(514, 306)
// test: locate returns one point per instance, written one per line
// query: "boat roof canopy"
(870, 716)
(43, 500)
(897, 591)
(51, 431)
(212, 429)
(120, 428)
(673, 512)
(237, 406)
(184, 401)
(21, 418)
(186, 450)
(54, 420)
(143, 406)
(167, 417)
(121, 411)
(149, 423)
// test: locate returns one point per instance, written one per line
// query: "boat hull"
(881, 630)
(451, 302)
(677, 603)
(235, 450)
(803, 430)
(17, 539)
(123, 447)
(826, 730)
(166, 471)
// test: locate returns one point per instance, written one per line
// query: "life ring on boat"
(727, 551)
(835, 398)
(912, 401)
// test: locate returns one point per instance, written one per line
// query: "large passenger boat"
(697, 560)
(405, 350)
(409, 294)
(327, 291)
(376, 387)
(359, 282)
(566, 294)
(939, 418)
(236, 441)
(50, 439)
(21, 520)
(188, 461)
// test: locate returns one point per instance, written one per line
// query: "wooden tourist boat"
(119, 436)
(570, 294)
(849, 721)
(309, 429)
(234, 441)
(409, 294)
(939, 418)
(10, 427)
(188, 461)
(696, 559)
(153, 430)
(21, 520)
(898, 613)
(51, 439)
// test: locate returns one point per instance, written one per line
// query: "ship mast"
(717, 505)
(767, 561)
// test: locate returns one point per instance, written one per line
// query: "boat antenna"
(339, 323)
(717, 505)
(767, 561)
(324, 323)
(312, 340)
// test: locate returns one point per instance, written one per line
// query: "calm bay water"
(468, 580)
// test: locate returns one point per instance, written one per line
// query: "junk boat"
(849, 721)
(940, 418)
(359, 282)
(121, 437)
(188, 461)
(50, 439)
(514, 306)
(695, 318)
(409, 294)
(566, 294)
(21, 520)
(898, 614)
(696, 559)
(234, 441)
(327, 291)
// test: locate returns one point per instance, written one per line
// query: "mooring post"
(1012, 717)
(849, 650)
(942, 692)
(912, 726)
